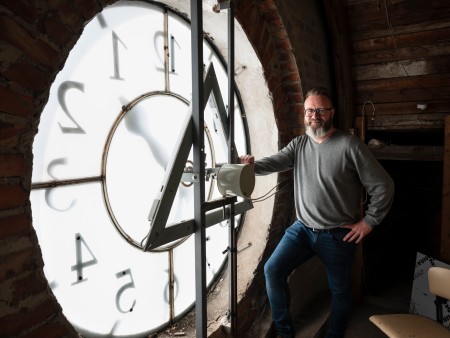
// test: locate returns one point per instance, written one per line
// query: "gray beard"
(319, 132)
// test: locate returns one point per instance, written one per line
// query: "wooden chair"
(411, 325)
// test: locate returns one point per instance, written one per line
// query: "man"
(330, 169)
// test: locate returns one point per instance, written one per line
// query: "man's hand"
(359, 230)
(246, 159)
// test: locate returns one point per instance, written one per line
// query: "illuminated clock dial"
(105, 139)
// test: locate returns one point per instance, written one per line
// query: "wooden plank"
(336, 17)
(395, 69)
(413, 38)
(408, 153)
(425, 81)
(416, 52)
(400, 122)
(374, 14)
(434, 111)
(445, 228)
(359, 33)
(405, 95)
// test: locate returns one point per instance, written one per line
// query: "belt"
(323, 230)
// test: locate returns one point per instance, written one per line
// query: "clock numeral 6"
(80, 264)
(123, 289)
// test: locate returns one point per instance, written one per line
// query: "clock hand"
(136, 121)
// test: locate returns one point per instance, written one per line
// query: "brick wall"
(35, 39)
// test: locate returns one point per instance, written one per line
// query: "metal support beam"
(199, 159)
(232, 253)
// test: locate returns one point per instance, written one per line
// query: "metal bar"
(198, 152)
(171, 286)
(232, 253)
(220, 202)
(162, 205)
(60, 183)
(173, 232)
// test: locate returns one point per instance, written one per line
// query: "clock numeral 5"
(80, 264)
(123, 289)
(62, 91)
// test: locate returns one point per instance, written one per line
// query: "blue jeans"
(299, 244)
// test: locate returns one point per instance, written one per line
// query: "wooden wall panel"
(400, 53)
(445, 229)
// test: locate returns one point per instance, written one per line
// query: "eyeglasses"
(319, 111)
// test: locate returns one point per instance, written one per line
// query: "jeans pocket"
(338, 234)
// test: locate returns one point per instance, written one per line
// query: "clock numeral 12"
(80, 264)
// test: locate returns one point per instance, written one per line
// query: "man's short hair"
(320, 91)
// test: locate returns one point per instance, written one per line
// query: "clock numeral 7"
(123, 289)
(80, 264)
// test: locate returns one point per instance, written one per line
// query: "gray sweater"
(329, 177)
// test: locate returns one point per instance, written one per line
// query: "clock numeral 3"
(123, 289)
(62, 91)
(49, 191)
(80, 264)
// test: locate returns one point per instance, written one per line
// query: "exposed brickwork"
(37, 37)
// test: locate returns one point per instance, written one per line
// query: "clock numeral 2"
(62, 91)
(80, 264)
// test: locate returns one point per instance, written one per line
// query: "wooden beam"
(401, 122)
(408, 153)
(445, 228)
(338, 28)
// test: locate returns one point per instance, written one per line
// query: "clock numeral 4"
(80, 264)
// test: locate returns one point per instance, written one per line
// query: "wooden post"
(445, 227)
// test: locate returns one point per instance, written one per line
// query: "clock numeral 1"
(115, 41)
(123, 289)
(173, 41)
(80, 264)
(170, 50)
(62, 91)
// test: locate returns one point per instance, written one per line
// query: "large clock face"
(105, 139)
